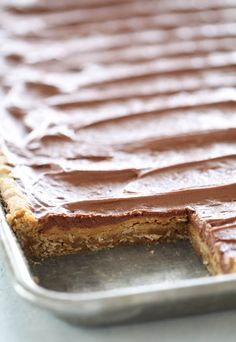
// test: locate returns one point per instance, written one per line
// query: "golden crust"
(14, 200)
(215, 263)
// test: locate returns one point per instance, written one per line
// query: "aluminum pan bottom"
(125, 284)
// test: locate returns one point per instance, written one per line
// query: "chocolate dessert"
(118, 125)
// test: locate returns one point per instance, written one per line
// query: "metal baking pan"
(124, 284)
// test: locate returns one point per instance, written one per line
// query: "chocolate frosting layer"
(116, 109)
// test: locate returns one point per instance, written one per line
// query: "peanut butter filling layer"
(116, 112)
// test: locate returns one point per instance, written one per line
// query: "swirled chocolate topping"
(118, 108)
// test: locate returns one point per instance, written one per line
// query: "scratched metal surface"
(120, 267)
(121, 285)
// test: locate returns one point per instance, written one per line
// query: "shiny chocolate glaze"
(115, 109)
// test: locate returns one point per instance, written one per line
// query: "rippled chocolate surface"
(120, 108)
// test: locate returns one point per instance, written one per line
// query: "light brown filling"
(57, 241)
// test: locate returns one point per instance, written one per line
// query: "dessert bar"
(118, 125)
